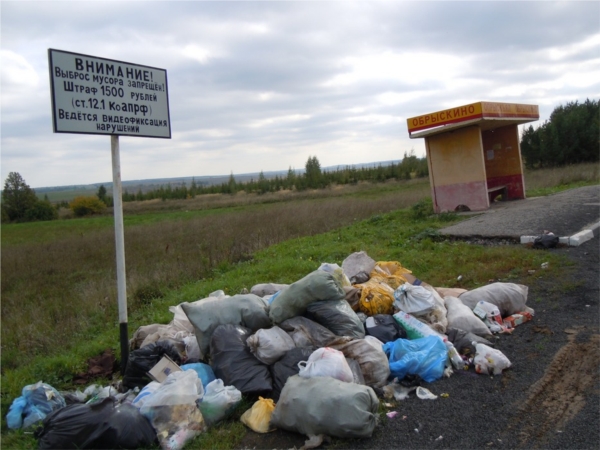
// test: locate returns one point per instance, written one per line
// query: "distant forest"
(312, 178)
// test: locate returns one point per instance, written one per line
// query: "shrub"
(422, 209)
(84, 206)
(41, 210)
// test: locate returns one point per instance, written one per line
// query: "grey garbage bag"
(270, 344)
(247, 310)
(264, 289)
(293, 300)
(306, 332)
(373, 362)
(464, 341)
(510, 298)
(462, 317)
(356, 263)
(324, 405)
(338, 317)
(356, 372)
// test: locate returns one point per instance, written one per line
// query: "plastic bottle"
(415, 329)
(455, 359)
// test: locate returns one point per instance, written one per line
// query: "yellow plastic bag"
(376, 297)
(390, 272)
(258, 417)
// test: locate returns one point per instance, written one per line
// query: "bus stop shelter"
(473, 153)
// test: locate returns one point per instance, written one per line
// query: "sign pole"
(120, 250)
(92, 95)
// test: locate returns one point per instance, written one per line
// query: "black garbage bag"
(103, 425)
(546, 240)
(337, 316)
(233, 362)
(142, 360)
(384, 327)
(287, 366)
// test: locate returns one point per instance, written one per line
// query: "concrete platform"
(573, 214)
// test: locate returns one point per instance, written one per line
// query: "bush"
(85, 206)
(41, 210)
(421, 210)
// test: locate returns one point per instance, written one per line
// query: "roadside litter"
(312, 356)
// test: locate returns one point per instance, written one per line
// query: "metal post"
(120, 250)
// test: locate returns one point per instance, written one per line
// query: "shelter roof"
(486, 115)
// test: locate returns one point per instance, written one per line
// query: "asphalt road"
(564, 214)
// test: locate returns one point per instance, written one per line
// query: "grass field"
(59, 304)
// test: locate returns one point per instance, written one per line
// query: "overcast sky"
(264, 85)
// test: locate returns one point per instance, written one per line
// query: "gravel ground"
(548, 399)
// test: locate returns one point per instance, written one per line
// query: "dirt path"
(558, 397)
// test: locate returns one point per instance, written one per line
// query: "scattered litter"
(397, 391)
(516, 319)
(425, 394)
(439, 438)
(445, 395)
(391, 414)
(545, 265)
(314, 442)
(458, 278)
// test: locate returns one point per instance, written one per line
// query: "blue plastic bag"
(36, 402)
(425, 357)
(204, 371)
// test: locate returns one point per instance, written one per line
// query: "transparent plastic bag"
(218, 401)
(36, 402)
(172, 409)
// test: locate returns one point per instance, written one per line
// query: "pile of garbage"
(317, 355)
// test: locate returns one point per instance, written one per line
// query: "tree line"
(571, 135)
(314, 177)
(21, 204)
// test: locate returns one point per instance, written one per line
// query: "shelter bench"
(497, 190)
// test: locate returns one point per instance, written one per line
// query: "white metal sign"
(93, 95)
